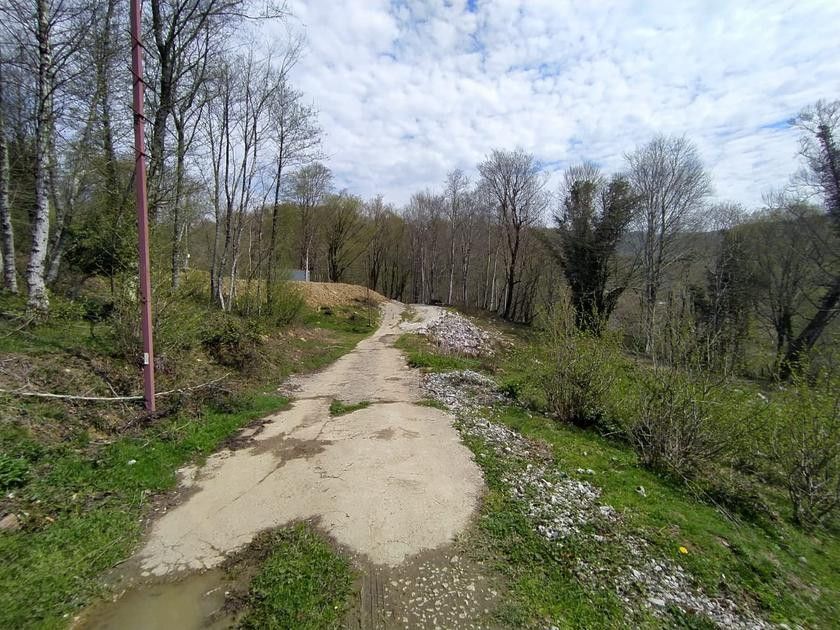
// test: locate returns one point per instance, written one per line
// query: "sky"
(408, 90)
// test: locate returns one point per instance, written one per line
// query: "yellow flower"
(683, 550)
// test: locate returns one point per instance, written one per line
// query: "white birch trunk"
(35, 270)
(6, 231)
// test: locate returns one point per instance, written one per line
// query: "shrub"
(178, 320)
(284, 308)
(581, 371)
(679, 425)
(231, 341)
(62, 309)
(806, 448)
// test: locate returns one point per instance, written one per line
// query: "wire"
(110, 398)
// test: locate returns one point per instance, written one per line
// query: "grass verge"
(423, 354)
(786, 575)
(302, 584)
(91, 511)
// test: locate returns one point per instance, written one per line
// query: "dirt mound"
(319, 294)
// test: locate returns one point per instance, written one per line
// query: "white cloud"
(410, 89)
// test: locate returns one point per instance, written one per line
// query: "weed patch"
(338, 408)
(302, 584)
(422, 354)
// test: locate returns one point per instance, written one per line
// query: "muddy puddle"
(196, 601)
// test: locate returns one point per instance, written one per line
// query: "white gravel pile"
(559, 506)
(463, 392)
(454, 334)
(662, 584)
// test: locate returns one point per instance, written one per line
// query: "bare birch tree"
(672, 185)
(297, 139)
(307, 189)
(6, 230)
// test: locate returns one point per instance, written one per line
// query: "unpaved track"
(386, 482)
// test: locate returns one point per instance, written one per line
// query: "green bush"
(679, 424)
(178, 320)
(285, 306)
(805, 446)
(231, 341)
(62, 309)
(580, 371)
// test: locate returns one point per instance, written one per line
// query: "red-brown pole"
(142, 207)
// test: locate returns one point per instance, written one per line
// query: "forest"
(701, 334)
(239, 191)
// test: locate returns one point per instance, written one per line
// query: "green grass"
(338, 408)
(543, 586)
(303, 584)
(86, 509)
(81, 480)
(784, 573)
(422, 354)
(348, 319)
(789, 576)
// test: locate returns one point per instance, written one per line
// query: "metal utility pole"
(142, 206)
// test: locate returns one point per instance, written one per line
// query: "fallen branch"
(110, 398)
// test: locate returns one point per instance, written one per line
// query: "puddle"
(188, 604)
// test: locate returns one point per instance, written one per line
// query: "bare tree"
(307, 189)
(236, 133)
(672, 184)
(514, 180)
(341, 225)
(297, 139)
(47, 34)
(457, 185)
(423, 213)
(467, 229)
(377, 214)
(186, 110)
(177, 28)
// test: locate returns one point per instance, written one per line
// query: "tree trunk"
(35, 271)
(511, 275)
(451, 265)
(275, 219)
(804, 342)
(6, 231)
(466, 271)
(177, 219)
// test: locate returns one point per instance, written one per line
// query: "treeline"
(238, 190)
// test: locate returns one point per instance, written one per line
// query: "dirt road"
(386, 482)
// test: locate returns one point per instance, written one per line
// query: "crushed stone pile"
(455, 334)
(450, 388)
(665, 584)
(557, 504)
(560, 506)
